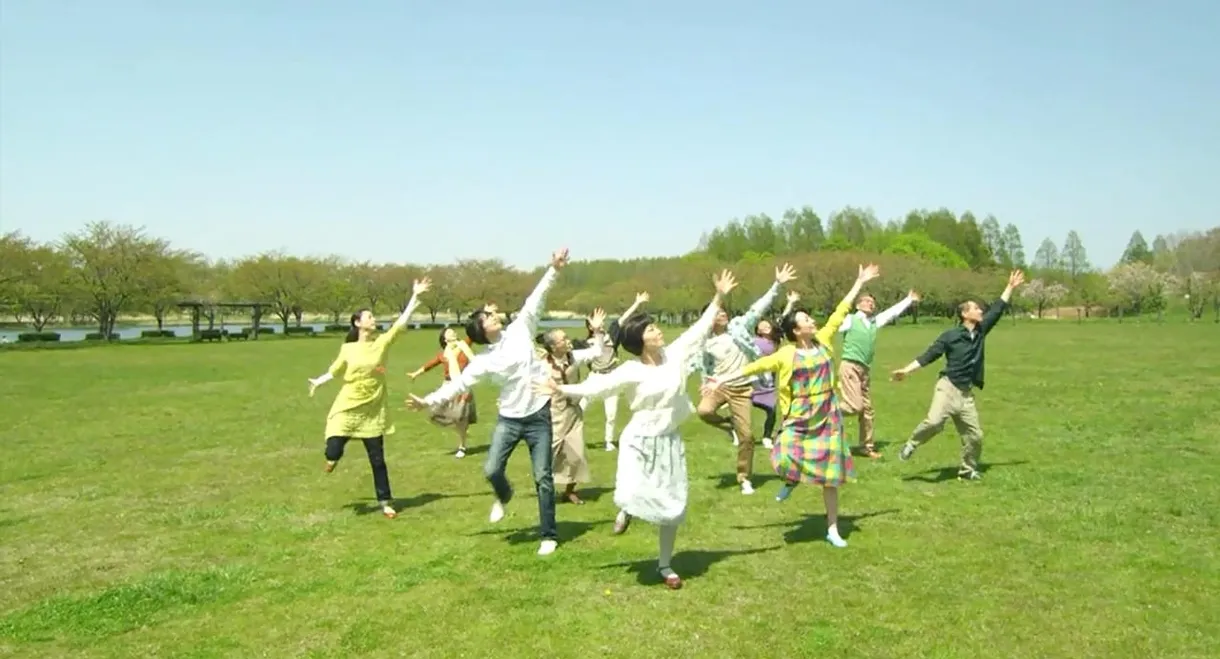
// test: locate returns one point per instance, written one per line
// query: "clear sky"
(427, 131)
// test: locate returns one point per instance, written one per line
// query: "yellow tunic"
(360, 409)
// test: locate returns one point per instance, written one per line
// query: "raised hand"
(1015, 279)
(914, 295)
(414, 374)
(641, 298)
(785, 273)
(793, 297)
(421, 286)
(597, 319)
(725, 282)
(559, 258)
(868, 273)
(313, 386)
(899, 375)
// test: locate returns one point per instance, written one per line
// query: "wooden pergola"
(196, 308)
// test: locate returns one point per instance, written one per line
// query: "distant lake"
(67, 334)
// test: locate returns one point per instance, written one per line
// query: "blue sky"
(430, 131)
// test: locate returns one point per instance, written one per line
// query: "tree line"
(105, 270)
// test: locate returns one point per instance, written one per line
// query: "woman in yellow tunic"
(360, 410)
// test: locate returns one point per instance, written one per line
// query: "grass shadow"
(729, 480)
(568, 531)
(588, 494)
(475, 450)
(813, 527)
(688, 564)
(950, 473)
(370, 506)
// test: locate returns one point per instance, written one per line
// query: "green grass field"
(169, 501)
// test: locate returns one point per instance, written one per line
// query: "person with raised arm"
(460, 412)
(607, 363)
(953, 396)
(811, 447)
(651, 481)
(568, 462)
(360, 410)
(731, 346)
(859, 332)
(511, 363)
(768, 337)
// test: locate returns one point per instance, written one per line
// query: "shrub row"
(157, 334)
(35, 337)
(98, 336)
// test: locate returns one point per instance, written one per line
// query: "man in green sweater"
(859, 332)
(962, 348)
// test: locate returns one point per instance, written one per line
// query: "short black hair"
(630, 333)
(474, 327)
(353, 333)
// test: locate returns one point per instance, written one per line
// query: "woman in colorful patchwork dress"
(606, 363)
(767, 337)
(651, 482)
(811, 447)
(568, 462)
(360, 410)
(459, 413)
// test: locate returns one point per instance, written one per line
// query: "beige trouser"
(951, 402)
(856, 398)
(738, 399)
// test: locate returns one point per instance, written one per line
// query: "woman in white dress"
(651, 482)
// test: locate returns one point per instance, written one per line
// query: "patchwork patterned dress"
(810, 447)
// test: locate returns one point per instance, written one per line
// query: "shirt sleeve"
(749, 320)
(338, 366)
(460, 383)
(846, 324)
(601, 385)
(697, 332)
(934, 351)
(531, 311)
(598, 347)
(434, 362)
(993, 315)
(890, 315)
(826, 333)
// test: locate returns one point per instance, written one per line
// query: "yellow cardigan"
(781, 361)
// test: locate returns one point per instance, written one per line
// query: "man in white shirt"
(511, 362)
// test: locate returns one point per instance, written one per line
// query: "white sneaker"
(547, 547)
(609, 446)
(497, 512)
(459, 454)
(767, 443)
(747, 487)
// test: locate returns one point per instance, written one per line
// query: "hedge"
(157, 334)
(98, 336)
(36, 337)
(301, 331)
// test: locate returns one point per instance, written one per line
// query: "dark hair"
(866, 294)
(474, 327)
(630, 333)
(961, 309)
(787, 324)
(775, 334)
(441, 338)
(353, 332)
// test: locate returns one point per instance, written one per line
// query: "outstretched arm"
(749, 319)
(599, 385)
(933, 353)
(458, 383)
(889, 315)
(336, 367)
(419, 287)
(531, 310)
(997, 308)
(769, 364)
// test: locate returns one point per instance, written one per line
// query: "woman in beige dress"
(569, 464)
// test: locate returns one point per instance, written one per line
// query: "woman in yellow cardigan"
(811, 447)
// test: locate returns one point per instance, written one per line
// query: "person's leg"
(971, 431)
(866, 415)
(851, 394)
(830, 497)
(375, 447)
(334, 451)
(611, 403)
(944, 404)
(668, 535)
(538, 432)
(768, 423)
(503, 440)
(739, 415)
(463, 431)
(707, 411)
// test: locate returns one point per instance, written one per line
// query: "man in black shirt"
(962, 348)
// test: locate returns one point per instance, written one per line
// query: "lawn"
(169, 501)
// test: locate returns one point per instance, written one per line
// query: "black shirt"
(963, 349)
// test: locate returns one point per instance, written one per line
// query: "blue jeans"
(535, 429)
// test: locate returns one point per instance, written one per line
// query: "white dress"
(651, 483)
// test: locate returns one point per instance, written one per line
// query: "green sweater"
(860, 342)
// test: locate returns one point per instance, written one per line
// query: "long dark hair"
(474, 327)
(631, 333)
(353, 332)
(776, 336)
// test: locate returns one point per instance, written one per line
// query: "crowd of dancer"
(783, 366)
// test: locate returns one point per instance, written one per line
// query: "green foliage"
(920, 245)
(37, 337)
(98, 336)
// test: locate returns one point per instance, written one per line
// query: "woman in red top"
(459, 413)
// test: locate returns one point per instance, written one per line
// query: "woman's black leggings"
(375, 447)
(769, 424)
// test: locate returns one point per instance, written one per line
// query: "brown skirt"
(460, 409)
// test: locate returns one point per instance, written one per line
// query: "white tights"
(611, 407)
